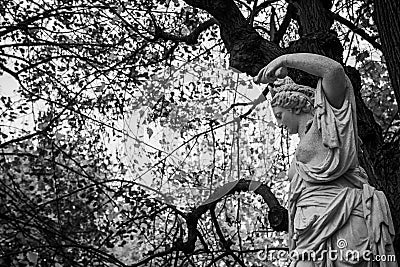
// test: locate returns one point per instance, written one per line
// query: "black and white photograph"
(199, 133)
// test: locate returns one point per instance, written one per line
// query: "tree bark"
(311, 16)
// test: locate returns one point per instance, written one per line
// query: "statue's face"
(286, 119)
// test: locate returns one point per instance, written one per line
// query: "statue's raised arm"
(331, 72)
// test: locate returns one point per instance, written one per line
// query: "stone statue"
(335, 217)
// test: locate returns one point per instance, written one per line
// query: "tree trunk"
(387, 19)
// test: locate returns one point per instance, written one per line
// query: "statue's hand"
(271, 72)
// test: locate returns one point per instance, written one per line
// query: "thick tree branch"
(278, 216)
(249, 52)
(355, 29)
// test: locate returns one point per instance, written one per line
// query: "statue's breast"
(311, 149)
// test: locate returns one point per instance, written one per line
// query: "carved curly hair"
(287, 94)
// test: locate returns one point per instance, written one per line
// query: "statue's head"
(289, 95)
(291, 103)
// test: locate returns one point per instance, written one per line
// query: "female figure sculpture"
(335, 217)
